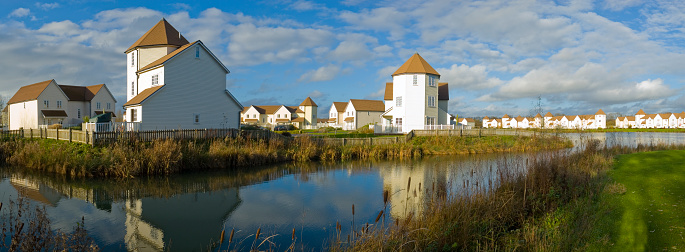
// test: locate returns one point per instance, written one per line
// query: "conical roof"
(308, 102)
(160, 34)
(416, 64)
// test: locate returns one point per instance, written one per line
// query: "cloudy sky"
(498, 56)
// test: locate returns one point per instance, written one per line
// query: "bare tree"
(537, 109)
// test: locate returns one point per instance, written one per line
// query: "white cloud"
(619, 5)
(641, 91)
(20, 12)
(316, 94)
(302, 5)
(324, 73)
(351, 51)
(376, 95)
(47, 6)
(469, 78)
(386, 72)
(381, 19)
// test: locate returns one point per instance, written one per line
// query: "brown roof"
(283, 120)
(161, 60)
(443, 91)
(630, 118)
(469, 120)
(251, 120)
(349, 119)
(600, 112)
(549, 114)
(138, 99)
(162, 34)
(368, 105)
(294, 109)
(270, 109)
(321, 120)
(640, 112)
(331, 119)
(54, 113)
(665, 115)
(505, 116)
(538, 116)
(80, 93)
(340, 106)
(416, 64)
(299, 119)
(29, 92)
(308, 102)
(388, 91)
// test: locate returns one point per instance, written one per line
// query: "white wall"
(23, 115)
(193, 86)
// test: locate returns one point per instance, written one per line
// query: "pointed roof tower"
(162, 34)
(416, 64)
(640, 112)
(549, 114)
(538, 116)
(600, 112)
(308, 102)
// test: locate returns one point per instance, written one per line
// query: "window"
(431, 81)
(278, 116)
(398, 122)
(46, 103)
(78, 115)
(133, 90)
(431, 101)
(430, 120)
(416, 80)
(59, 104)
(97, 105)
(155, 79)
(109, 106)
(398, 101)
(133, 115)
(133, 59)
(196, 118)
(197, 52)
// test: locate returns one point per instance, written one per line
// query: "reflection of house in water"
(35, 190)
(180, 223)
(423, 181)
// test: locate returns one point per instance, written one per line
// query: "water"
(188, 212)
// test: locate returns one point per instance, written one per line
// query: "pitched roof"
(349, 119)
(416, 64)
(321, 120)
(640, 112)
(161, 60)
(368, 105)
(299, 119)
(340, 106)
(142, 96)
(549, 114)
(251, 120)
(29, 92)
(308, 102)
(388, 91)
(600, 112)
(486, 118)
(443, 91)
(538, 115)
(469, 120)
(161, 34)
(505, 116)
(80, 93)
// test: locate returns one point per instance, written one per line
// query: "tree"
(537, 109)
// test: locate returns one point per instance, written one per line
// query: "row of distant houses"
(414, 100)
(549, 121)
(650, 121)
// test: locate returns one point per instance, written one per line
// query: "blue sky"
(497, 55)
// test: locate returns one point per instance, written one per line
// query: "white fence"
(382, 129)
(111, 127)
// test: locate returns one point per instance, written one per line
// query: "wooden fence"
(361, 141)
(471, 132)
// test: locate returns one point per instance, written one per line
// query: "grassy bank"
(562, 202)
(126, 159)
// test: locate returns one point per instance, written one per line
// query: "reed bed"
(133, 159)
(548, 206)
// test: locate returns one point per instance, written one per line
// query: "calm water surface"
(188, 212)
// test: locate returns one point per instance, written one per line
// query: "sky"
(498, 56)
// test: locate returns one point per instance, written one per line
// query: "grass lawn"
(649, 214)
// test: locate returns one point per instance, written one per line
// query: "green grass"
(649, 214)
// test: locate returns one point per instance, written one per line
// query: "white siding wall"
(413, 110)
(150, 54)
(72, 111)
(52, 93)
(103, 97)
(139, 113)
(23, 115)
(145, 79)
(131, 77)
(349, 112)
(193, 86)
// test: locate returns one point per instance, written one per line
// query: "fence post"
(70, 135)
(31, 131)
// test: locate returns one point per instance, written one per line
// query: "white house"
(303, 116)
(47, 103)
(174, 84)
(415, 99)
(336, 114)
(362, 112)
(469, 122)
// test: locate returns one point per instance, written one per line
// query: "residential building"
(359, 113)
(172, 83)
(468, 122)
(649, 121)
(303, 116)
(415, 99)
(46, 103)
(336, 114)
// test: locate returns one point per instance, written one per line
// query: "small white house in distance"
(469, 122)
(46, 103)
(174, 84)
(336, 114)
(362, 112)
(415, 99)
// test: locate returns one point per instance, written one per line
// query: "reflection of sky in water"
(281, 199)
